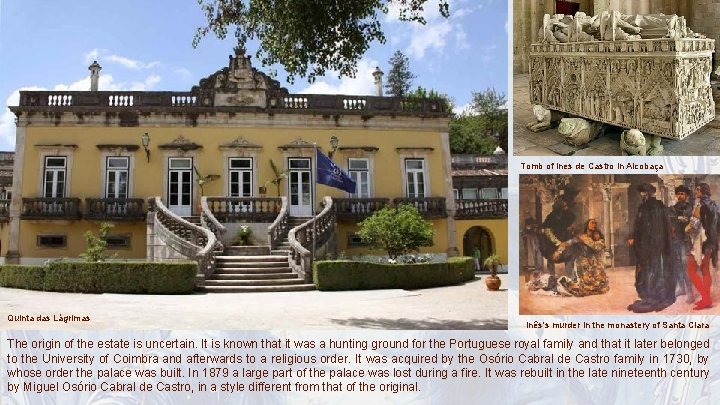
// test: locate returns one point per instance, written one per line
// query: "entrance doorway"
(481, 237)
(180, 186)
(300, 187)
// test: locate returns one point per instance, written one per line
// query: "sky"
(147, 46)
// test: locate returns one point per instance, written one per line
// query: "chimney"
(378, 74)
(94, 75)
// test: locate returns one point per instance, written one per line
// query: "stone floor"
(704, 142)
(622, 293)
(466, 306)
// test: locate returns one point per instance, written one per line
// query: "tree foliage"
(398, 231)
(399, 77)
(97, 245)
(308, 37)
(421, 92)
(483, 127)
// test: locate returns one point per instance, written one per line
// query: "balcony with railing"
(115, 209)
(244, 209)
(429, 207)
(50, 208)
(479, 209)
(357, 209)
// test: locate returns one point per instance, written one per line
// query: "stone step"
(259, 258)
(253, 283)
(245, 265)
(247, 251)
(254, 276)
(266, 288)
(252, 270)
(279, 252)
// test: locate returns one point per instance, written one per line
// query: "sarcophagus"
(659, 86)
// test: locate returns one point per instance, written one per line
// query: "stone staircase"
(256, 269)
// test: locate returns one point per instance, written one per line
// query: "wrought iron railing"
(357, 209)
(320, 228)
(244, 209)
(429, 207)
(50, 208)
(115, 209)
(188, 239)
(471, 209)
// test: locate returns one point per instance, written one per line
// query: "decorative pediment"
(240, 143)
(239, 75)
(118, 147)
(181, 143)
(359, 148)
(298, 143)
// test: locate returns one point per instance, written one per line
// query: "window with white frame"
(415, 178)
(456, 193)
(240, 177)
(54, 176)
(504, 193)
(359, 171)
(117, 172)
(469, 194)
(489, 193)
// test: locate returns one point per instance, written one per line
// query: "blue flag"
(329, 174)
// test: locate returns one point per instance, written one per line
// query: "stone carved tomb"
(638, 72)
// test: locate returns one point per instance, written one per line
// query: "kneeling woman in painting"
(588, 249)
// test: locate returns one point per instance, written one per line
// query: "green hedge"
(110, 277)
(350, 275)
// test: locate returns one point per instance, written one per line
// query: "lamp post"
(333, 146)
(145, 143)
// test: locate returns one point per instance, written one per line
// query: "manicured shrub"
(27, 277)
(398, 231)
(97, 277)
(350, 275)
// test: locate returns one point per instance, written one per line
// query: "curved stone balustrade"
(301, 239)
(209, 221)
(279, 228)
(186, 238)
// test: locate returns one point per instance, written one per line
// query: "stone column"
(452, 249)
(13, 252)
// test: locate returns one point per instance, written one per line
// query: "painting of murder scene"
(619, 244)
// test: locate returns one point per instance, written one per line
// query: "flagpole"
(314, 195)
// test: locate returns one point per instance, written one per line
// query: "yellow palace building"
(178, 173)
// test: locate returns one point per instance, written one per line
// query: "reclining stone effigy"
(645, 72)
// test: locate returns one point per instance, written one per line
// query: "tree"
(421, 92)
(308, 37)
(398, 231)
(97, 245)
(483, 128)
(399, 78)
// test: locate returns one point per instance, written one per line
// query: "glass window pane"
(117, 162)
(299, 163)
(180, 163)
(469, 194)
(358, 164)
(240, 163)
(55, 162)
(413, 164)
